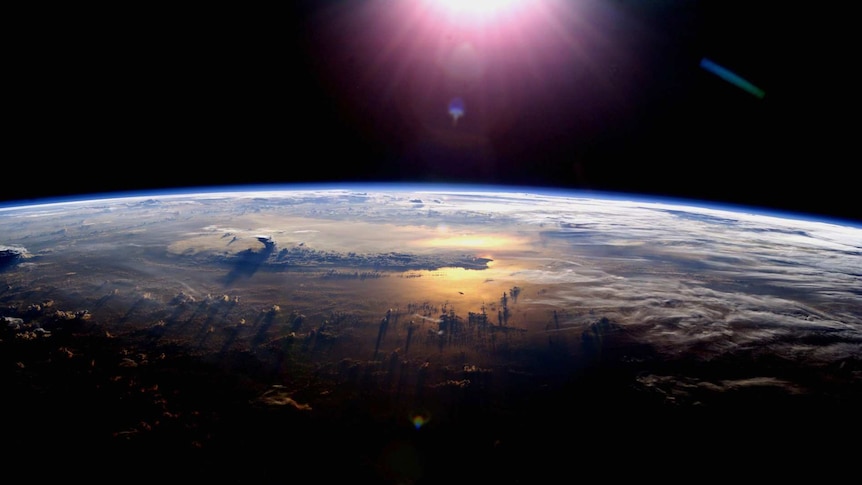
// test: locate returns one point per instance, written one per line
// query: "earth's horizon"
(423, 334)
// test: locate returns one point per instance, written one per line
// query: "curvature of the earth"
(424, 335)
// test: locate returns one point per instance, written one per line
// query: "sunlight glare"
(475, 6)
(475, 9)
(474, 241)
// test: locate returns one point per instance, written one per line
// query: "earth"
(425, 334)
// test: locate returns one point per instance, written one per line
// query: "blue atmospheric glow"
(491, 189)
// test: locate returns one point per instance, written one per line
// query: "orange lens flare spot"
(420, 419)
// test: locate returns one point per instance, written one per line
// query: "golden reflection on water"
(467, 289)
(472, 242)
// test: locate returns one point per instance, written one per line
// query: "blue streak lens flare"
(732, 78)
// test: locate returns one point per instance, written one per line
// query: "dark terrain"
(90, 401)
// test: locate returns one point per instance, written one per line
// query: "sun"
(475, 7)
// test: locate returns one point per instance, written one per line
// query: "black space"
(345, 91)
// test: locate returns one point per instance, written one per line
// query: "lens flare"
(732, 78)
(456, 109)
(420, 419)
